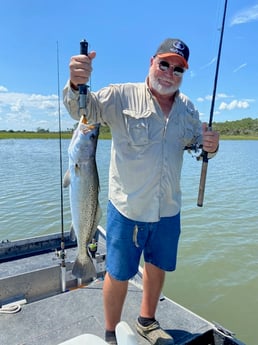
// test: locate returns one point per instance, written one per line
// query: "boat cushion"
(85, 339)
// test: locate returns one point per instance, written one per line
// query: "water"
(217, 271)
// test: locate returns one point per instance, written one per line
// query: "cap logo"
(178, 48)
(179, 45)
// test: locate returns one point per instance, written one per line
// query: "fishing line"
(62, 254)
(216, 29)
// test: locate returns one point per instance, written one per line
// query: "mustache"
(166, 80)
(155, 83)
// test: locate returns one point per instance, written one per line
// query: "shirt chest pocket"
(137, 126)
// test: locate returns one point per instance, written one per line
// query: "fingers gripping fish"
(82, 178)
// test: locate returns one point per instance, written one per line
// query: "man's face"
(165, 74)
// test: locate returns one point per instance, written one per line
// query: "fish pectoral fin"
(72, 234)
(67, 179)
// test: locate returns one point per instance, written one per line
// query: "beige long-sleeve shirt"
(147, 149)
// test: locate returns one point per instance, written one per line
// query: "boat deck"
(52, 320)
(50, 317)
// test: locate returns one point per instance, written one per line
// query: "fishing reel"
(195, 150)
(60, 254)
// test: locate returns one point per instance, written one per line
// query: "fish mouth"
(85, 122)
(85, 127)
(84, 119)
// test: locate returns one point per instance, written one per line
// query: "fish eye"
(92, 136)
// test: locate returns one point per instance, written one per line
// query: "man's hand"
(80, 69)
(210, 139)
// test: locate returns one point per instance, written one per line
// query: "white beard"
(161, 89)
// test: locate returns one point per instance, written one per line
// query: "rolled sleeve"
(71, 101)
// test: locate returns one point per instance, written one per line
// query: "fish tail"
(84, 269)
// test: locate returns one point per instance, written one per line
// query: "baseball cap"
(174, 47)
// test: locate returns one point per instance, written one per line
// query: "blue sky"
(125, 34)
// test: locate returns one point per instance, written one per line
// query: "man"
(151, 124)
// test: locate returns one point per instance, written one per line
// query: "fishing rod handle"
(203, 175)
(83, 87)
(84, 47)
(202, 180)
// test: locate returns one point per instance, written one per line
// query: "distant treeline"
(245, 127)
(41, 133)
(240, 129)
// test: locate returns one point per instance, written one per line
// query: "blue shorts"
(127, 239)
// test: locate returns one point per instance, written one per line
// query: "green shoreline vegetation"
(245, 129)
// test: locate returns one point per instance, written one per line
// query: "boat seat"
(124, 336)
(85, 339)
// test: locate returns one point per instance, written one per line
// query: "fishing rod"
(61, 254)
(204, 153)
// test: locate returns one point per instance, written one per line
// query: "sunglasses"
(177, 70)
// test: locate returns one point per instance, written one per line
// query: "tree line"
(243, 127)
(239, 129)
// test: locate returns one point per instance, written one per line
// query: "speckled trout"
(82, 178)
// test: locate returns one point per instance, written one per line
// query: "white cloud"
(209, 63)
(17, 107)
(19, 117)
(3, 88)
(21, 102)
(21, 111)
(235, 104)
(239, 67)
(209, 97)
(48, 105)
(223, 95)
(245, 16)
